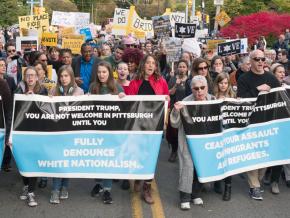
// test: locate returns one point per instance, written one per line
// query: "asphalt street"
(129, 204)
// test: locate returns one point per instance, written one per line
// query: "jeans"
(58, 183)
(30, 182)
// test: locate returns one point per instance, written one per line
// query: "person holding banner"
(85, 67)
(103, 85)
(223, 89)
(30, 85)
(189, 186)
(123, 73)
(42, 74)
(148, 82)
(66, 86)
(249, 86)
(176, 87)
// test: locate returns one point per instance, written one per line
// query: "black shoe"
(227, 192)
(96, 190)
(255, 193)
(125, 184)
(42, 183)
(218, 187)
(107, 199)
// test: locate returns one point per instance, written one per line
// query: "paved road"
(128, 204)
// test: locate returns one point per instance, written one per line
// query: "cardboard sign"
(49, 39)
(212, 44)
(173, 49)
(120, 21)
(38, 22)
(73, 44)
(77, 19)
(139, 35)
(67, 31)
(222, 18)
(229, 48)
(185, 30)
(27, 43)
(161, 26)
(87, 33)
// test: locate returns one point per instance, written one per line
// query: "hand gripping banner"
(88, 136)
(230, 136)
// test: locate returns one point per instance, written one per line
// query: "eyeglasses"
(202, 68)
(259, 59)
(199, 88)
(30, 75)
(2, 65)
(10, 51)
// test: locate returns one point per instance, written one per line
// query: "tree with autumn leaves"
(268, 24)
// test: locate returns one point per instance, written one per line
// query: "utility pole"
(193, 8)
(218, 4)
(186, 12)
(202, 14)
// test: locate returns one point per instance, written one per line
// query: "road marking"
(137, 211)
(156, 208)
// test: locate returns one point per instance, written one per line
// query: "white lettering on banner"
(88, 152)
(207, 119)
(105, 163)
(88, 141)
(270, 106)
(53, 163)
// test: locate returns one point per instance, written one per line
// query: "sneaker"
(31, 200)
(54, 198)
(185, 206)
(42, 183)
(125, 184)
(255, 193)
(107, 199)
(197, 201)
(275, 188)
(96, 190)
(63, 193)
(24, 193)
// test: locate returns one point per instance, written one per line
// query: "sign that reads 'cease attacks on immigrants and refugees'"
(88, 136)
(228, 137)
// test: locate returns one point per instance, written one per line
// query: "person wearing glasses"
(30, 85)
(85, 67)
(249, 86)
(14, 62)
(189, 186)
(199, 67)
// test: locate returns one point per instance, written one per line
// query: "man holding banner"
(249, 85)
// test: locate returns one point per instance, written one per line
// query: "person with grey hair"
(270, 54)
(249, 86)
(244, 66)
(189, 187)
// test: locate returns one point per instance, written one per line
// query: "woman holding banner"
(176, 87)
(148, 82)
(223, 89)
(189, 186)
(30, 85)
(66, 86)
(105, 84)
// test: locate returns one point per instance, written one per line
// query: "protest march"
(86, 100)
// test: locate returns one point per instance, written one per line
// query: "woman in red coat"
(148, 82)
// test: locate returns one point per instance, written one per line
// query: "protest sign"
(73, 44)
(244, 45)
(140, 35)
(229, 48)
(228, 137)
(120, 21)
(185, 30)
(162, 26)
(191, 45)
(49, 39)
(88, 136)
(27, 43)
(38, 22)
(67, 31)
(67, 19)
(141, 24)
(87, 33)
(222, 18)
(2, 131)
(212, 44)
(173, 49)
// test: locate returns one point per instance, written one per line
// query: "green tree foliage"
(56, 5)
(10, 10)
